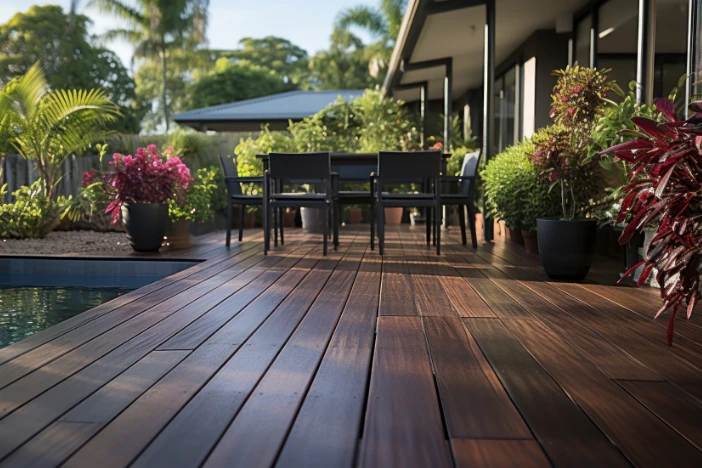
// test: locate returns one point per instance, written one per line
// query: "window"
(582, 41)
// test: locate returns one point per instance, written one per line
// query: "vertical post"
(571, 51)
(488, 101)
(423, 112)
(645, 52)
(448, 79)
(692, 50)
(594, 36)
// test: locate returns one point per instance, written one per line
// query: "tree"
(61, 44)
(343, 66)
(160, 30)
(231, 82)
(48, 126)
(281, 56)
(383, 23)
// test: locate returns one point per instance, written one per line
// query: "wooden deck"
(297, 360)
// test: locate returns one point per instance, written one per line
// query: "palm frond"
(122, 10)
(364, 17)
(22, 94)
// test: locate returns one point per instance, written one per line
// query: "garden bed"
(69, 242)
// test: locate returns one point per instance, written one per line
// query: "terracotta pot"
(289, 218)
(178, 234)
(355, 215)
(249, 220)
(393, 216)
(515, 235)
(479, 220)
(530, 243)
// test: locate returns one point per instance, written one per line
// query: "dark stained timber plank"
(115, 323)
(22, 424)
(568, 436)
(186, 441)
(403, 422)
(679, 410)
(471, 406)
(58, 441)
(326, 430)
(470, 453)
(562, 315)
(123, 439)
(396, 293)
(256, 434)
(652, 443)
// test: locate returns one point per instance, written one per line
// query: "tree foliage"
(161, 31)
(69, 56)
(231, 82)
(345, 65)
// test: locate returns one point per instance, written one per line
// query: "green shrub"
(516, 193)
(248, 165)
(33, 214)
(198, 205)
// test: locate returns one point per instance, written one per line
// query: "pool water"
(25, 311)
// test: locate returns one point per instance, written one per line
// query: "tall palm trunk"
(164, 94)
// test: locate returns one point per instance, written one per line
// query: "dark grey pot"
(145, 224)
(567, 248)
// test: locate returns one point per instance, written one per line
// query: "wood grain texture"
(471, 453)
(403, 423)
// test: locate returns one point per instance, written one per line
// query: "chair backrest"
(397, 166)
(469, 169)
(300, 167)
(354, 172)
(229, 168)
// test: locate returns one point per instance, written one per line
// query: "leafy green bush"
(33, 214)
(198, 204)
(517, 194)
(247, 165)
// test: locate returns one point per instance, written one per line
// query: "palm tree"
(47, 126)
(159, 30)
(383, 23)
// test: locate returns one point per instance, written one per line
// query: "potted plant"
(144, 184)
(355, 214)
(562, 152)
(668, 196)
(508, 177)
(196, 208)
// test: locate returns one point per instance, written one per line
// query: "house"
(491, 61)
(275, 110)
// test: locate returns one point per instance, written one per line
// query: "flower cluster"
(578, 97)
(147, 177)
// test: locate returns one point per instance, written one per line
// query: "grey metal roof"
(295, 105)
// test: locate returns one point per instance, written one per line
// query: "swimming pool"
(25, 311)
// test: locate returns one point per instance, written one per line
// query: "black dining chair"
(235, 195)
(408, 167)
(343, 174)
(464, 197)
(285, 169)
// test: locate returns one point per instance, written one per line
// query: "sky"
(306, 23)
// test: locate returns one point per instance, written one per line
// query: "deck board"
(471, 358)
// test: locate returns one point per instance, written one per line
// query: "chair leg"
(381, 228)
(335, 225)
(427, 222)
(471, 220)
(242, 212)
(266, 229)
(281, 222)
(438, 228)
(275, 226)
(372, 225)
(325, 232)
(434, 217)
(229, 222)
(462, 222)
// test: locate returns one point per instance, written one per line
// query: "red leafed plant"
(147, 177)
(665, 160)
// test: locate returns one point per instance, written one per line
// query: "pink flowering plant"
(147, 177)
(563, 151)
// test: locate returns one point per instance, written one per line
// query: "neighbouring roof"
(293, 105)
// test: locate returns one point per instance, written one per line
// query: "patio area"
(472, 358)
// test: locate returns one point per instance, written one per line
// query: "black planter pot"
(567, 248)
(145, 224)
